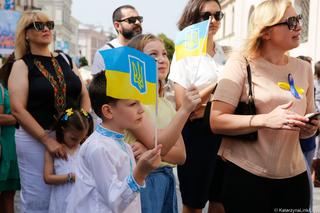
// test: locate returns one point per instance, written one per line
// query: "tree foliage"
(83, 61)
(169, 45)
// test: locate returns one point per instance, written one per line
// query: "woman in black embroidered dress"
(41, 84)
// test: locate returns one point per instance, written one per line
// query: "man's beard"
(128, 34)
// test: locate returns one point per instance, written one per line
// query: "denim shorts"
(159, 195)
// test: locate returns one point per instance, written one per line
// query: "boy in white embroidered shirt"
(107, 178)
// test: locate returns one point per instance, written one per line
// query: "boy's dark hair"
(117, 13)
(73, 120)
(5, 70)
(97, 93)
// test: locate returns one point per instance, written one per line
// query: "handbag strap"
(110, 45)
(249, 78)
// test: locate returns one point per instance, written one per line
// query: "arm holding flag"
(132, 75)
(169, 136)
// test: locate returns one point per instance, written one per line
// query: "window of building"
(303, 7)
(249, 16)
(233, 18)
(228, 19)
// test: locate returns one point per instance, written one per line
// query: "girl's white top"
(60, 192)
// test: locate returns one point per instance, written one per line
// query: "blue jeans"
(160, 196)
(308, 157)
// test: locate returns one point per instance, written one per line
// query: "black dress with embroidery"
(41, 102)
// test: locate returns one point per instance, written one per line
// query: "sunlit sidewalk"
(316, 201)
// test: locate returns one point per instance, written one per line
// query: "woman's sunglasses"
(39, 26)
(217, 15)
(292, 22)
(132, 20)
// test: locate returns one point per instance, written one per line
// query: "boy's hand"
(191, 99)
(138, 149)
(148, 161)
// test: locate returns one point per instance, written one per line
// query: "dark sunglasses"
(291, 22)
(39, 26)
(132, 20)
(217, 15)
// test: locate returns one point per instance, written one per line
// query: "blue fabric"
(134, 186)
(307, 154)
(308, 144)
(160, 196)
(109, 133)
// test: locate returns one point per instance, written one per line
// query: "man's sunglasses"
(292, 22)
(132, 20)
(39, 26)
(217, 15)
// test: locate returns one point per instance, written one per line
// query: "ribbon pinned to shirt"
(295, 90)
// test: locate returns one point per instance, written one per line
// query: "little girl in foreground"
(72, 129)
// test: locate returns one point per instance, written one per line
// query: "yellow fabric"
(119, 86)
(181, 51)
(166, 112)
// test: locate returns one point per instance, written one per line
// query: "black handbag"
(248, 108)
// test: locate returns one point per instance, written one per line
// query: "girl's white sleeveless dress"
(59, 193)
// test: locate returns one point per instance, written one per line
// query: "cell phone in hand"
(313, 115)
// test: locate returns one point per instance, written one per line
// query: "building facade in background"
(66, 27)
(92, 38)
(234, 26)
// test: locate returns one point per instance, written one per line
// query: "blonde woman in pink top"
(269, 174)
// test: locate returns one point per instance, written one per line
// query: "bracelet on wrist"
(69, 179)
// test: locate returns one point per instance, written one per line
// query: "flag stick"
(157, 95)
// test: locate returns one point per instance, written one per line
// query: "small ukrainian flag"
(130, 74)
(192, 40)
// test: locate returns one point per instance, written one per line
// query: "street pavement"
(316, 200)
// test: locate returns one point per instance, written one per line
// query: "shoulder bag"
(247, 108)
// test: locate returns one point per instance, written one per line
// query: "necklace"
(58, 83)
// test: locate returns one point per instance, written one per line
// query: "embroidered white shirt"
(104, 182)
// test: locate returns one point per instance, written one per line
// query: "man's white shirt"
(98, 62)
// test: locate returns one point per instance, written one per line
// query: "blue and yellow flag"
(192, 40)
(130, 74)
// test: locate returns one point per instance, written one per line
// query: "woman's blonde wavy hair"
(265, 14)
(28, 17)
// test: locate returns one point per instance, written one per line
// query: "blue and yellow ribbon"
(295, 90)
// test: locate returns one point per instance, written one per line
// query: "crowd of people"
(62, 159)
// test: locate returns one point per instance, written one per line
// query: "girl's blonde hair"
(28, 17)
(265, 15)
